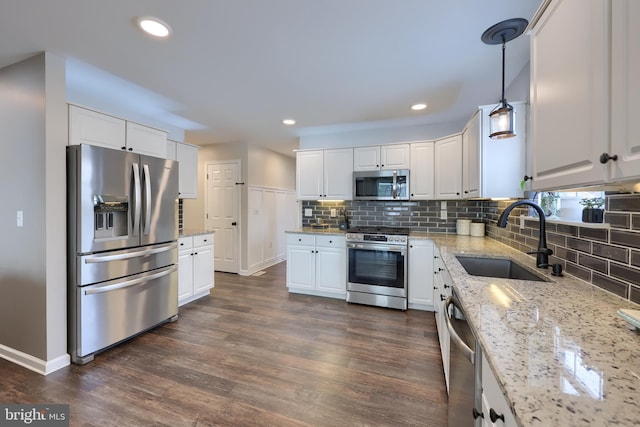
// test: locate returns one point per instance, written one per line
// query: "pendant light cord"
(504, 44)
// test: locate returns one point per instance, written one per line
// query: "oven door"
(377, 269)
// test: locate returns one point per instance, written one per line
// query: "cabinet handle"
(440, 269)
(477, 414)
(605, 157)
(494, 416)
(442, 297)
(527, 178)
(447, 286)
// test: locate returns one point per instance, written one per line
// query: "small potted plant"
(550, 204)
(593, 209)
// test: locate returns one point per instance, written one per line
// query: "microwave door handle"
(135, 212)
(394, 194)
(147, 199)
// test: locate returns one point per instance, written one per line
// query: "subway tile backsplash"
(606, 257)
(418, 215)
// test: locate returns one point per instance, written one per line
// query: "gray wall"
(33, 123)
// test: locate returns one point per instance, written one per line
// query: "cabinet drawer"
(203, 240)
(185, 243)
(330, 241)
(301, 239)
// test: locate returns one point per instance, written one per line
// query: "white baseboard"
(32, 363)
(257, 267)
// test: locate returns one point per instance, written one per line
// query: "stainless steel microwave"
(381, 185)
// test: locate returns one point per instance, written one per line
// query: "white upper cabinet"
(584, 93)
(381, 157)
(493, 167)
(448, 167)
(422, 170)
(625, 89)
(325, 174)
(93, 128)
(187, 157)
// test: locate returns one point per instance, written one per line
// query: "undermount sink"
(497, 267)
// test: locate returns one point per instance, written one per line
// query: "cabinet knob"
(447, 286)
(130, 149)
(442, 297)
(527, 178)
(299, 240)
(605, 157)
(494, 416)
(205, 240)
(411, 194)
(457, 194)
(477, 414)
(466, 191)
(330, 241)
(124, 148)
(440, 269)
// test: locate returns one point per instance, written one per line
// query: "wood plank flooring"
(252, 354)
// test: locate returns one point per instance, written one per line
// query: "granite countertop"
(310, 230)
(194, 232)
(559, 351)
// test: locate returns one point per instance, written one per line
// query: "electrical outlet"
(521, 222)
(333, 213)
(443, 214)
(308, 212)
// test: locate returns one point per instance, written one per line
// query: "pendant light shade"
(503, 123)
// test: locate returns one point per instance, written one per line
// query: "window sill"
(601, 225)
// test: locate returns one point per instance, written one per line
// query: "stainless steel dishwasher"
(465, 368)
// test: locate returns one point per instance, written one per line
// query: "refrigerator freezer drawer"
(113, 311)
(103, 266)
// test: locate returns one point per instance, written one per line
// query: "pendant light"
(503, 123)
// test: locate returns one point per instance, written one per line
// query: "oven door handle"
(466, 350)
(376, 247)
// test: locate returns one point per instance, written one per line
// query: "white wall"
(33, 280)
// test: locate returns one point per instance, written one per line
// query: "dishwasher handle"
(466, 350)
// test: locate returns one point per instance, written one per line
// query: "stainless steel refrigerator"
(122, 243)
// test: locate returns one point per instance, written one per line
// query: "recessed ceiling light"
(289, 122)
(418, 107)
(154, 27)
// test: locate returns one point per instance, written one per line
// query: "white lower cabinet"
(495, 409)
(195, 267)
(317, 265)
(442, 289)
(420, 292)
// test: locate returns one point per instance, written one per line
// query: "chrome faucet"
(542, 254)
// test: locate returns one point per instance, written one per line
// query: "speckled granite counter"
(194, 232)
(309, 230)
(559, 351)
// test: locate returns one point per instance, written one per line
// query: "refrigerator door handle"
(107, 258)
(147, 199)
(136, 200)
(129, 283)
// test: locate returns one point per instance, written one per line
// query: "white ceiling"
(233, 69)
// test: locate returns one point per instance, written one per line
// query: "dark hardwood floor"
(252, 354)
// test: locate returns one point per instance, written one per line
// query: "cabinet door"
(331, 269)
(146, 140)
(569, 97)
(421, 273)
(492, 398)
(471, 157)
(93, 128)
(448, 167)
(187, 156)
(185, 274)
(422, 173)
(625, 87)
(366, 158)
(202, 268)
(309, 174)
(301, 267)
(338, 174)
(396, 156)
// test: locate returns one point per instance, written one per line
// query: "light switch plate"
(333, 213)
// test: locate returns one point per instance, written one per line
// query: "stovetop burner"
(380, 230)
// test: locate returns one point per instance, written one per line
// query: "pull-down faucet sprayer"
(542, 254)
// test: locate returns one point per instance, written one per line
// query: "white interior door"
(222, 215)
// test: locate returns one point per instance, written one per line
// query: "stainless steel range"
(377, 266)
